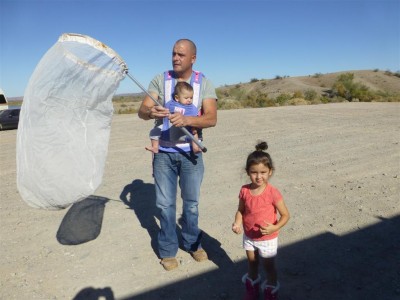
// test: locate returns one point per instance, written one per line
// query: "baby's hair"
(182, 86)
(260, 156)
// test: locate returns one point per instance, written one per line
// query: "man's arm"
(149, 110)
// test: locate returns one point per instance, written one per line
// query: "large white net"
(65, 122)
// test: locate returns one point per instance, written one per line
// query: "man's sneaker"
(270, 291)
(199, 255)
(252, 287)
(169, 263)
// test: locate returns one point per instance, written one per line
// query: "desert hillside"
(368, 85)
(382, 86)
(375, 80)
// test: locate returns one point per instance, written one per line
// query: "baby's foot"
(152, 149)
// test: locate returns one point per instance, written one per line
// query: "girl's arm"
(237, 224)
(284, 218)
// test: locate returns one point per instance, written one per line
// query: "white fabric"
(65, 122)
(265, 248)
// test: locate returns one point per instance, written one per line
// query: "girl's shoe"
(252, 287)
(270, 291)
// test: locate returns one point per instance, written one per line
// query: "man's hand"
(158, 111)
(178, 120)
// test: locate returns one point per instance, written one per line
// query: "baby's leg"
(154, 146)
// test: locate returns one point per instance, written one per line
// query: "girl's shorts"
(266, 249)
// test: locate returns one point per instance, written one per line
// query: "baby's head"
(260, 156)
(183, 93)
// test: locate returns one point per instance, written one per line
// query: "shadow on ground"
(82, 223)
(361, 265)
(141, 198)
(364, 264)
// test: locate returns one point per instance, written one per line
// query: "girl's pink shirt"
(259, 210)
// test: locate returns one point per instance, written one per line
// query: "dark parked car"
(9, 118)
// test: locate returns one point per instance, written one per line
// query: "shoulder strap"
(195, 82)
(169, 86)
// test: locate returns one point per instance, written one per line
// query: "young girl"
(259, 202)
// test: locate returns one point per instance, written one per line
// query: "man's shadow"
(141, 198)
(212, 246)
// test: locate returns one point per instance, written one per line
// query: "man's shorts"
(266, 249)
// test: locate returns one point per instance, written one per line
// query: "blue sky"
(237, 40)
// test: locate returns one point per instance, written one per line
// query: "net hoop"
(85, 39)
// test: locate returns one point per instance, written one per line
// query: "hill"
(369, 85)
(375, 80)
(284, 90)
(364, 85)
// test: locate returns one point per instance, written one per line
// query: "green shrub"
(228, 104)
(310, 94)
(325, 99)
(345, 87)
(129, 110)
(222, 93)
(388, 72)
(298, 94)
(386, 97)
(257, 99)
(362, 93)
(282, 99)
(298, 101)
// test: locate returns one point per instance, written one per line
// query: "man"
(175, 158)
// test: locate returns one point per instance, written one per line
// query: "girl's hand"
(236, 228)
(268, 228)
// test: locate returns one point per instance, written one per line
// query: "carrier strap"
(169, 86)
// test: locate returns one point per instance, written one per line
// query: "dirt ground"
(337, 166)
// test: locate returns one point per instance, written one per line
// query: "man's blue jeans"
(167, 167)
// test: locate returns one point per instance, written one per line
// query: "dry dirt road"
(337, 166)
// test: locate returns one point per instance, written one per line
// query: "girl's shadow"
(141, 197)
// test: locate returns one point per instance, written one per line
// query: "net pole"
(186, 132)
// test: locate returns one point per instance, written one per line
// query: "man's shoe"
(169, 263)
(199, 255)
